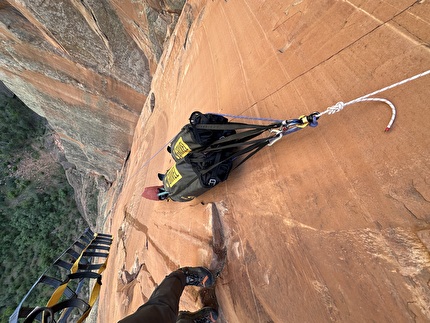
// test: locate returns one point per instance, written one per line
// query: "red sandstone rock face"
(78, 65)
(330, 223)
(81, 65)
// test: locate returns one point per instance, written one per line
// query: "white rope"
(340, 105)
(330, 110)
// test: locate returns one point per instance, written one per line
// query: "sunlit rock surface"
(86, 67)
(330, 223)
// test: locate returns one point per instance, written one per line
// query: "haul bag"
(195, 174)
(190, 138)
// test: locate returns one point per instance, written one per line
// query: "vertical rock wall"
(86, 67)
(330, 224)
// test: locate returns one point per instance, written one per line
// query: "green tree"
(39, 217)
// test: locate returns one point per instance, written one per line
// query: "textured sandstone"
(329, 224)
(78, 65)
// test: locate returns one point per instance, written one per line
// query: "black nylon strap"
(255, 146)
(84, 274)
(89, 267)
(95, 254)
(73, 253)
(256, 149)
(92, 247)
(24, 312)
(54, 282)
(63, 264)
(239, 137)
(50, 311)
(236, 145)
(234, 126)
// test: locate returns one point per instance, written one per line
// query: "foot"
(205, 315)
(198, 276)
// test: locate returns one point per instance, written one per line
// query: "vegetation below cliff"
(37, 207)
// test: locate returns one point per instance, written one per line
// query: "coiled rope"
(340, 105)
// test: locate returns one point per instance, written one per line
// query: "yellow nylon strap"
(56, 295)
(75, 266)
(94, 293)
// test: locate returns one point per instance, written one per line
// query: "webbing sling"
(23, 312)
(95, 292)
(82, 275)
(236, 140)
(54, 282)
(241, 139)
(70, 303)
(253, 147)
(234, 126)
(58, 293)
(254, 131)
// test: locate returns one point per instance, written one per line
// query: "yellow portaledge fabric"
(94, 293)
(60, 289)
(58, 293)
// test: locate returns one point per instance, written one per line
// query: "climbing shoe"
(198, 276)
(205, 315)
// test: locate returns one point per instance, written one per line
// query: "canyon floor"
(330, 224)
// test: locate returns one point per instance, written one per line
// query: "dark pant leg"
(185, 321)
(163, 305)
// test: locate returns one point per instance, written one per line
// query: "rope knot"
(336, 108)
